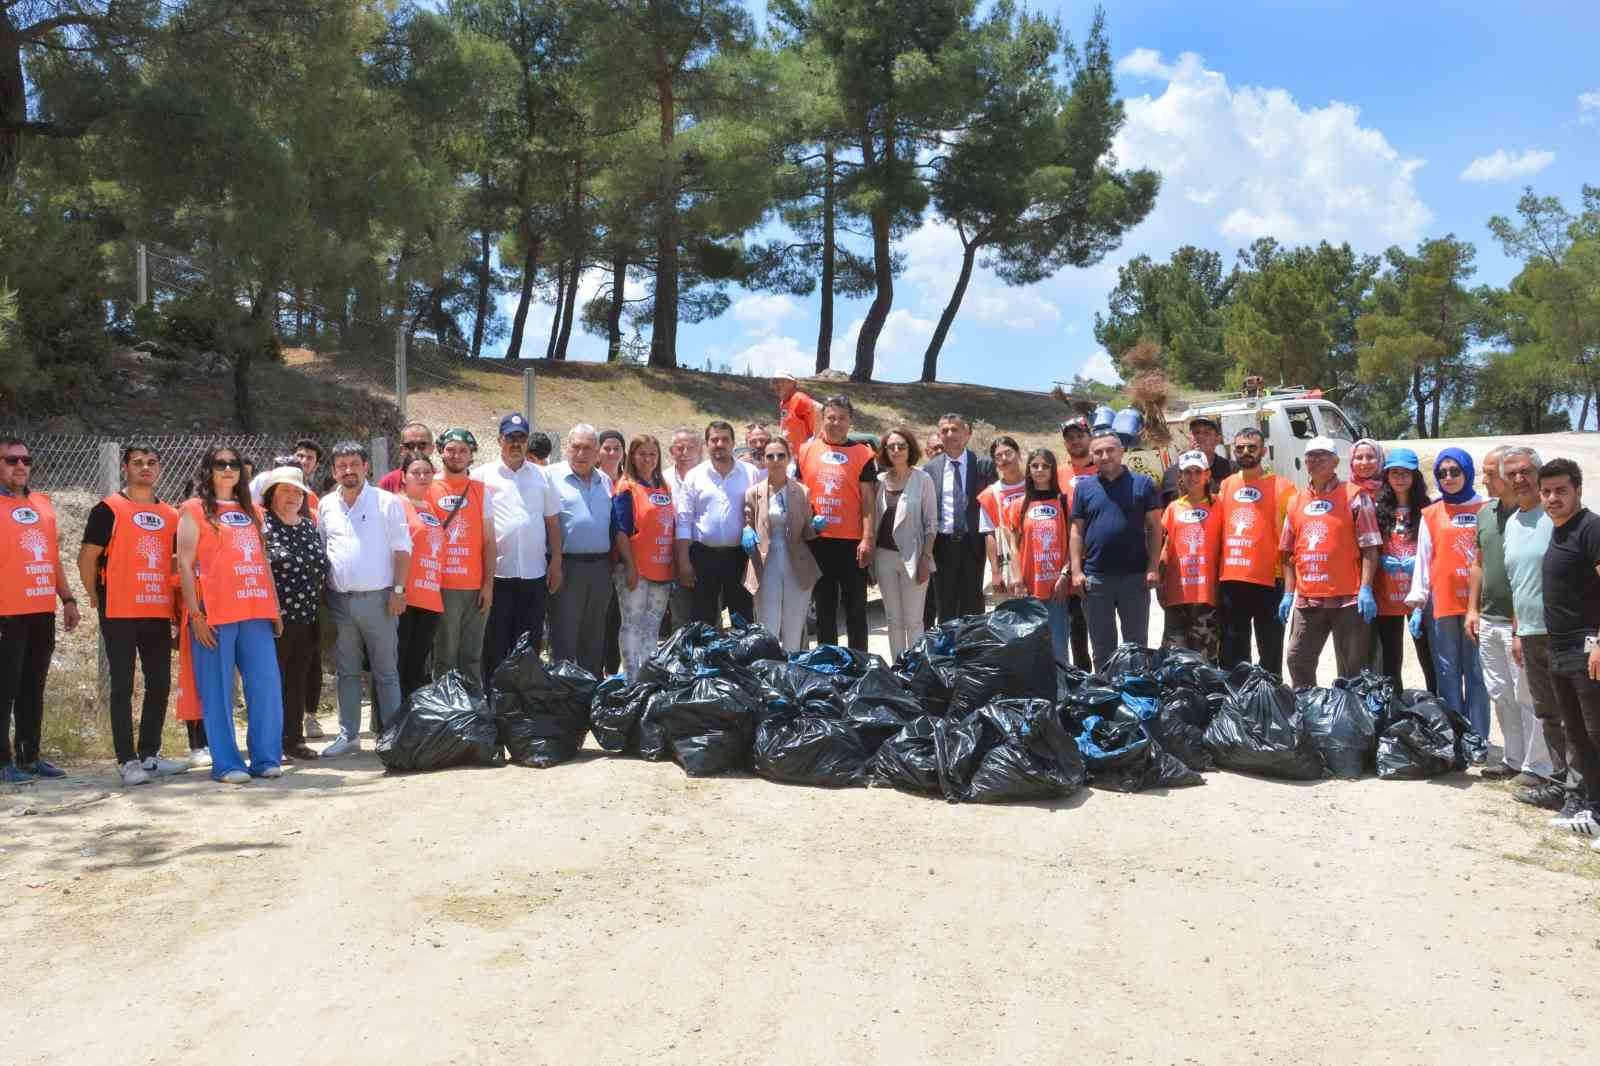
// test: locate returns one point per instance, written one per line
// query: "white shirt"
(710, 505)
(361, 539)
(947, 491)
(520, 500)
(986, 526)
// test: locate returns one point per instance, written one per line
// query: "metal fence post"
(110, 479)
(400, 371)
(143, 263)
(530, 386)
(379, 447)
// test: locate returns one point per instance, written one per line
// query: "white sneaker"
(344, 745)
(1583, 823)
(166, 767)
(314, 728)
(132, 773)
(272, 771)
(236, 777)
(200, 757)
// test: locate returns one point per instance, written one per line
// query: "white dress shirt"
(361, 539)
(711, 505)
(521, 500)
(947, 491)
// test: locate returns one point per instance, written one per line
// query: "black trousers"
(958, 574)
(842, 580)
(1578, 697)
(149, 640)
(1245, 604)
(300, 671)
(1390, 633)
(414, 648)
(719, 583)
(613, 658)
(1080, 635)
(27, 641)
(518, 608)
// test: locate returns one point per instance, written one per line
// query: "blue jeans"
(1060, 630)
(1114, 597)
(248, 647)
(1460, 671)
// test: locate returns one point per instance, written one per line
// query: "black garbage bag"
(1008, 750)
(1258, 729)
(803, 747)
(797, 684)
(1341, 727)
(928, 668)
(834, 660)
(1376, 693)
(1419, 743)
(878, 704)
(1122, 756)
(711, 725)
(615, 713)
(1179, 726)
(741, 646)
(447, 723)
(679, 658)
(907, 760)
(1140, 694)
(1128, 659)
(654, 743)
(1089, 700)
(1070, 679)
(1005, 653)
(1183, 666)
(542, 714)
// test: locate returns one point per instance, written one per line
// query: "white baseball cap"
(1321, 444)
(783, 375)
(1193, 460)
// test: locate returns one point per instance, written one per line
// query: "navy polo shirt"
(1113, 514)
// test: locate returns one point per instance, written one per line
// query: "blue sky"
(1376, 123)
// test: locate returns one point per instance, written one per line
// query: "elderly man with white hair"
(588, 533)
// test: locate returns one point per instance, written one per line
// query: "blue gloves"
(1367, 604)
(1393, 564)
(747, 541)
(1415, 624)
(1284, 607)
(818, 523)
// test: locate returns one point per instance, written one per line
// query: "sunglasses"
(777, 457)
(19, 460)
(226, 464)
(896, 446)
(1451, 471)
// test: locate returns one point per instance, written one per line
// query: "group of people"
(446, 563)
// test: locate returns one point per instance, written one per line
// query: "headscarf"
(1371, 484)
(1465, 462)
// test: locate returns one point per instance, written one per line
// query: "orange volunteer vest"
(1251, 523)
(1453, 529)
(996, 498)
(1391, 590)
(27, 554)
(833, 474)
(1042, 546)
(797, 420)
(231, 566)
(1192, 552)
(651, 542)
(138, 560)
(427, 556)
(463, 534)
(1327, 561)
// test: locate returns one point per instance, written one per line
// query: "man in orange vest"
(1254, 504)
(798, 413)
(31, 579)
(1330, 552)
(842, 478)
(125, 565)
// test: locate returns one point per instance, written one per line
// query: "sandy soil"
(616, 911)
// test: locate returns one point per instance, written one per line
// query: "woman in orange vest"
(1400, 502)
(1011, 482)
(424, 601)
(1191, 561)
(1447, 546)
(642, 504)
(231, 618)
(1035, 527)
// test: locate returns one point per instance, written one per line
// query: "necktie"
(959, 503)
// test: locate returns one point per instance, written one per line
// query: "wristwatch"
(399, 590)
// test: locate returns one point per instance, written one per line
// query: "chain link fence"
(93, 462)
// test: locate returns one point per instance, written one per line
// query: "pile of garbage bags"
(977, 711)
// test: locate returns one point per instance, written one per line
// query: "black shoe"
(1547, 797)
(299, 752)
(1498, 771)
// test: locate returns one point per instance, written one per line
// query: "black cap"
(1205, 420)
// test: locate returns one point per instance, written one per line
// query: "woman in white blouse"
(906, 517)
(777, 523)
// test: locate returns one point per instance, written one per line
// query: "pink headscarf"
(1370, 484)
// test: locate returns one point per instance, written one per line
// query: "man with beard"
(1079, 465)
(1250, 584)
(710, 522)
(842, 477)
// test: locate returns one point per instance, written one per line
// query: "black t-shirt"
(97, 530)
(1571, 584)
(1221, 467)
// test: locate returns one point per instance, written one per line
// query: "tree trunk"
(825, 319)
(619, 285)
(1421, 402)
(575, 227)
(480, 316)
(664, 325)
(569, 310)
(561, 301)
(882, 271)
(930, 358)
(13, 103)
(1583, 414)
(1438, 397)
(530, 266)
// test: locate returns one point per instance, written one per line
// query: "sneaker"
(1584, 823)
(272, 771)
(1596, 845)
(1571, 804)
(344, 745)
(199, 757)
(1497, 771)
(155, 764)
(313, 728)
(236, 777)
(12, 774)
(1526, 780)
(300, 752)
(40, 768)
(1547, 797)
(133, 773)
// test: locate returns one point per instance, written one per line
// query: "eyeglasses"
(1451, 471)
(19, 460)
(226, 464)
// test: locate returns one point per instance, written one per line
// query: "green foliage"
(1180, 305)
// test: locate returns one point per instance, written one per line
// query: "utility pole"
(143, 263)
(400, 371)
(529, 390)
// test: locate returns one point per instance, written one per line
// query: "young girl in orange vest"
(231, 609)
(424, 601)
(1035, 526)
(1400, 502)
(1191, 560)
(642, 504)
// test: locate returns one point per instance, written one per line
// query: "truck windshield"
(1334, 423)
(1300, 422)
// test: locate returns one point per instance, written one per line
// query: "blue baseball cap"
(513, 423)
(1402, 459)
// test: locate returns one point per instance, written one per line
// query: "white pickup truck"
(1287, 416)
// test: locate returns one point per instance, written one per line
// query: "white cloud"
(1011, 308)
(1589, 107)
(1504, 166)
(773, 353)
(762, 313)
(901, 345)
(1098, 367)
(1251, 162)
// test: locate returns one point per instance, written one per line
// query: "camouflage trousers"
(1196, 626)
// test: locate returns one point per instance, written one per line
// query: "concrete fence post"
(379, 447)
(530, 388)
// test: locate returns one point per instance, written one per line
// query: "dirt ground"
(615, 911)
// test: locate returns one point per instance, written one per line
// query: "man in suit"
(958, 553)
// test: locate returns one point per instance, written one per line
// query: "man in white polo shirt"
(369, 555)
